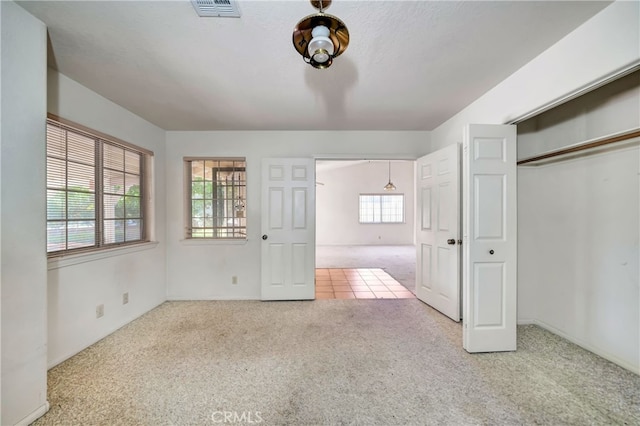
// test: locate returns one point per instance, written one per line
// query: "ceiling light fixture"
(320, 37)
(390, 186)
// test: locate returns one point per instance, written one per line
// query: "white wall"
(337, 207)
(201, 270)
(578, 252)
(605, 44)
(77, 284)
(24, 263)
(579, 225)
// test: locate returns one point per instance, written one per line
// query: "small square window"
(217, 194)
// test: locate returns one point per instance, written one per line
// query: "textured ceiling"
(410, 64)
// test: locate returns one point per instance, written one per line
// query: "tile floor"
(358, 283)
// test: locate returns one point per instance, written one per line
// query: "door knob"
(264, 237)
(491, 252)
(451, 241)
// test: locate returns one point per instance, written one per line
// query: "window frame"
(380, 213)
(239, 233)
(99, 140)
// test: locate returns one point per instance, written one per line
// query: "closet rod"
(582, 147)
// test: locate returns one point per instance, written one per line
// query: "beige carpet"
(330, 362)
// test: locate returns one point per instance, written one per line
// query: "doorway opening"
(365, 235)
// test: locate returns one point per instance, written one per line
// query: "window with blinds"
(217, 198)
(381, 208)
(95, 191)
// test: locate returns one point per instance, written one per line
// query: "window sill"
(75, 259)
(213, 242)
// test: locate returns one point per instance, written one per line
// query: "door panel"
(489, 238)
(288, 229)
(488, 210)
(444, 274)
(425, 208)
(276, 266)
(424, 264)
(489, 299)
(299, 212)
(444, 204)
(299, 257)
(438, 262)
(276, 208)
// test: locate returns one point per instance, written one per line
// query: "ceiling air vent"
(227, 8)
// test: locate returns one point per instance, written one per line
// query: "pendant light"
(390, 186)
(320, 37)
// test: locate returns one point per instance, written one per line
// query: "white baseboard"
(598, 351)
(41, 411)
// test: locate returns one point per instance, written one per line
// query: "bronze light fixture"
(320, 37)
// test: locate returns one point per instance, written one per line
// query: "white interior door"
(438, 231)
(288, 228)
(489, 238)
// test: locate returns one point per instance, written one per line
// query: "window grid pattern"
(218, 196)
(94, 192)
(381, 208)
(122, 199)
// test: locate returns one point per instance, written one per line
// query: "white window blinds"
(95, 191)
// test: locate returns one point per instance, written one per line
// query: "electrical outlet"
(234, 279)
(99, 311)
(125, 298)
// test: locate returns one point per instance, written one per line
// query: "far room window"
(95, 190)
(381, 208)
(217, 189)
